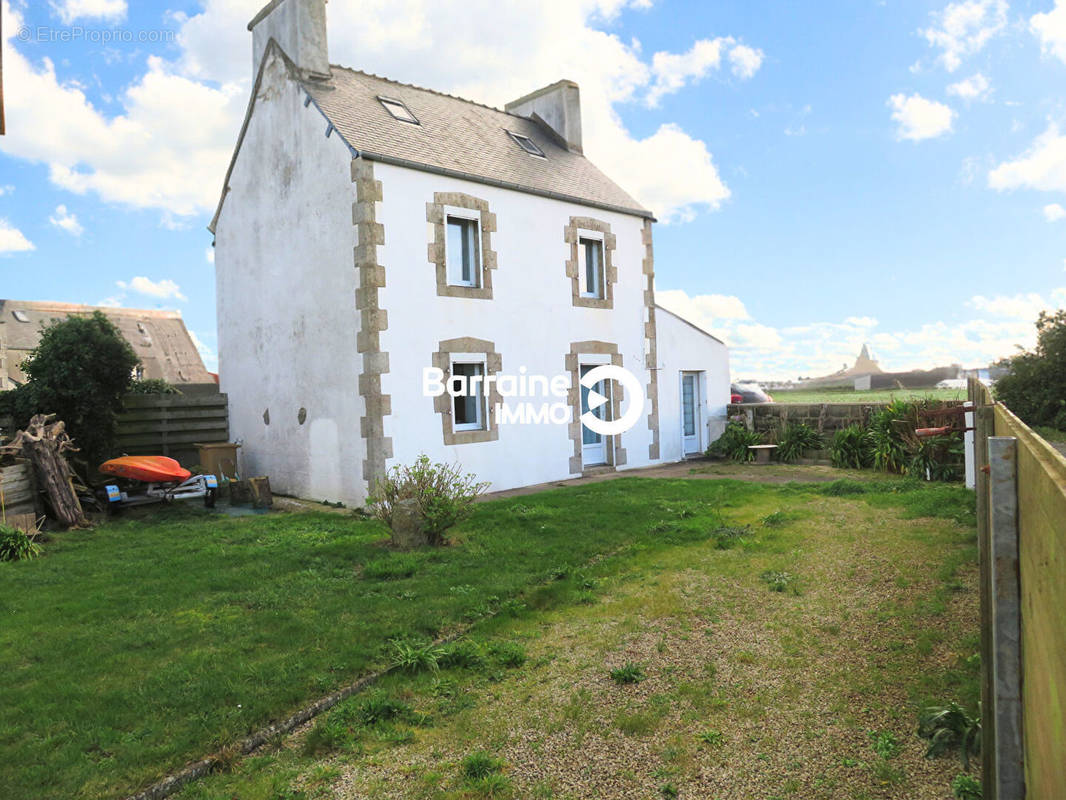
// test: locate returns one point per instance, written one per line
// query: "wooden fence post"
(984, 422)
(1009, 781)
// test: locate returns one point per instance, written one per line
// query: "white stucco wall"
(531, 320)
(286, 310)
(685, 348)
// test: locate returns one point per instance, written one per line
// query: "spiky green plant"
(734, 443)
(15, 545)
(948, 728)
(851, 448)
(797, 439)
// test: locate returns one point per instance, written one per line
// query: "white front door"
(594, 445)
(690, 413)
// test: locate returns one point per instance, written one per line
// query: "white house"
(372, 236)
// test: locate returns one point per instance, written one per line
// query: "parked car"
(748, 393)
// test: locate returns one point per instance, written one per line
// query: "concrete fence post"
(1006, 689)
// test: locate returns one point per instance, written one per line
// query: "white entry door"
(594, 445)
(690, 413)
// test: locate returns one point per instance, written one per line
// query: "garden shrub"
(444, 496)
(797, 439)
(851, 448)
(734, 443)
(16, 545)
(1034, 387)
(79, 371)
(152, 386)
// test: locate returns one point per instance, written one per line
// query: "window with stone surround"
(470, 417)
(461, 248)
(591, 266)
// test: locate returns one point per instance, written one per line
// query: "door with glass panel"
(690, 413)
(594, 445)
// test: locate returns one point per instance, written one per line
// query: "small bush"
(851, 448)
(796, 440)
(668, 790)
(966, 787)
(734, 443)
(444, 495)
(629, 673)
(776, 519)
(15, 545)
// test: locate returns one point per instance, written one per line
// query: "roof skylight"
(398, 110)
(527, 144)
(20, 315)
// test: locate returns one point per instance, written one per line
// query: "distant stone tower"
(864, 365)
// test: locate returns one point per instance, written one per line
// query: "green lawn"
(871, 396)
(132, 649)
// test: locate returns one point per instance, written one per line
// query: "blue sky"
(826, 174)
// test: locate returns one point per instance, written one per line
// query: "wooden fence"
(172, 425)
(16, 490)
(1021, 515)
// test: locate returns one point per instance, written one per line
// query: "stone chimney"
(299, 27)
(558, 106)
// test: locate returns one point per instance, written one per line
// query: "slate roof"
(460, 138)
(159, 338)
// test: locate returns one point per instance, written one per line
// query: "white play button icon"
(595, 400)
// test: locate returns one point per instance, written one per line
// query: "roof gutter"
(517, 187)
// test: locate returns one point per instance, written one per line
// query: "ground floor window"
(468, 390)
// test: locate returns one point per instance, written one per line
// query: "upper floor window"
(398, 110)
(590, 264)
(463, 254)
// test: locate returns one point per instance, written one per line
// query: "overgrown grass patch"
(154, 640)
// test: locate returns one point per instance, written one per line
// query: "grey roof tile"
(460, 136)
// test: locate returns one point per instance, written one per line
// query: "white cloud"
(12, 240)
(920, 118)
(169, 147)
(1019, 306)
(65, 220)
(115, 301)
(964, 28)
(7, 189)
(1042, 166)
(1050, 28)
(163, 289)
(1053, 212)
(71, 10)
(757, 350)
(745, 60)
(209, 255)
(672, 71)
(973, 88)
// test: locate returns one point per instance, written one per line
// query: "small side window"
(590, 266)
(468, 390)
(464, 251)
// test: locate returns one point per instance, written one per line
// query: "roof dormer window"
(526, 144)
(398, 110)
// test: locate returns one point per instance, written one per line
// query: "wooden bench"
(762, 452)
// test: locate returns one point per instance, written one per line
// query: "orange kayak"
(154, 469)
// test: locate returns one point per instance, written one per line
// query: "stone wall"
(826, 418)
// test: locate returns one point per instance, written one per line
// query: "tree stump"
(251, 491)
(44, 443)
